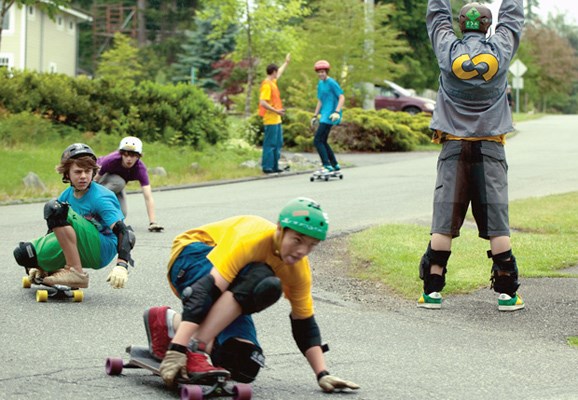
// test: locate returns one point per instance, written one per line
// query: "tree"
(266, 29)
(120, 63)
(49, 7)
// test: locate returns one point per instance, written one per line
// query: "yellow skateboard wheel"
(26, 284)
(41, 296)
(77, 296)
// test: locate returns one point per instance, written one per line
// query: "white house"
(32, 41)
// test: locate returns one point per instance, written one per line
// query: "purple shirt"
(112, 164)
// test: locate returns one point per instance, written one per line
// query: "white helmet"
(131, 143)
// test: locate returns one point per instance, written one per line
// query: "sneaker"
(155, 322)
(327, 168)
(67, 277)
(507, 303)
(336, 167)
(199, 366)
(433, 301)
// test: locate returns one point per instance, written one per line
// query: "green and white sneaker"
(433, 301)
(507, 303)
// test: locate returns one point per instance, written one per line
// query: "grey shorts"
(476, 173)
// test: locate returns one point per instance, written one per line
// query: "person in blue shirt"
(329, 109)
(86, 229)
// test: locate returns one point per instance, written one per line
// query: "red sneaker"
(199, 367)
(155, 321)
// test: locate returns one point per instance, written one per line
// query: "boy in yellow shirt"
(224, 272)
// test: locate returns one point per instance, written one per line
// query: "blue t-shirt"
(328, 92)
(100, 206)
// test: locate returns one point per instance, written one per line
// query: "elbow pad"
(126, 241)
(306, 333)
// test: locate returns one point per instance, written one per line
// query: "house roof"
(75, 13)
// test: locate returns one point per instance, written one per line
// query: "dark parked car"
(395, 98)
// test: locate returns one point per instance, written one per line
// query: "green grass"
(212, 163)
(545, 233)
(573, 341)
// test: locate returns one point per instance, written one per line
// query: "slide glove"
(314, 122)
(154, 227)
(334, 117)
(174, 366)
(329, 383)
(118, 276)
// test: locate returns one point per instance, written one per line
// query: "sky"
(555, 7)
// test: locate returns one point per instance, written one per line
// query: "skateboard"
(57, 292)
(323, 175)
(188, 389)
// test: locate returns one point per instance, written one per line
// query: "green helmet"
(305, 216)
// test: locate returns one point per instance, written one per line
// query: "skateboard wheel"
(26, 284)
(312, 179)
(41, 296)
(77, 296)
(113, 366)
(191, 392)
(242, 392)
(340, 176)
(326, 178)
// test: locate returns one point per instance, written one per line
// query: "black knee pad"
(25, 255)
(504, 262)
(433, 282)
(55, 214)
(199, 298)
(256, 289)
(242, 359)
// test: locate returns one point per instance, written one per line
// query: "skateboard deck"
(189, 389)
(57, 292)
(323, 175)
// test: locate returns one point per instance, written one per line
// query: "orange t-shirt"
(270, 93)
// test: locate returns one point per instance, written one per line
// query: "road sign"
(518, 82)
(517, 68)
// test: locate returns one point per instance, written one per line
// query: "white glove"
(314, 122)
(329, 383)
(118, 277)
(334, 117)
(174, 366)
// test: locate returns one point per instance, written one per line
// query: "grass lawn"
(544, 237)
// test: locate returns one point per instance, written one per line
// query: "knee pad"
(25, 255)
(256, 289)
(433, 282)
(56, 214)
(242, 359)
(199, 298)
(504, 262)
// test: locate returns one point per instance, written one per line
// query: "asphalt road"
(468, 350)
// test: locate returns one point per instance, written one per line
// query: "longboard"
(58, 292)
(189, 389)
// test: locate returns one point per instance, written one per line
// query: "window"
(6, 60)
(52, 68)
(7, 23)
(60, 22)
(31, 13)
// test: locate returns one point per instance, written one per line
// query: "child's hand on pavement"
(329, 383)
(118, 277)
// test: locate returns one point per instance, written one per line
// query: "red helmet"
(475, 17)
(322, 64)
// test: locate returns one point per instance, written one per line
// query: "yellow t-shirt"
(244, 239)
(270, 93)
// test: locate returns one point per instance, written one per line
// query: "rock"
(160, 171)
(32, 181)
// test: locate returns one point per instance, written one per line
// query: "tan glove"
(174, 366)
(118, 276)
(314, 122)
(334, 117)
(329, 383)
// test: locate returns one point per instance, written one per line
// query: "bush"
(360, 130)
(180, 114)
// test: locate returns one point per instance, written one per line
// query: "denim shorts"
(191, 265)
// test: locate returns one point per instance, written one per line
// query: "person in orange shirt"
(271, 109)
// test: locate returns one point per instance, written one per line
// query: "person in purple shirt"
(125, 165)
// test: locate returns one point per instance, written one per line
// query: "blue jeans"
(191, 265)
(320, 141)
(272, 143)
